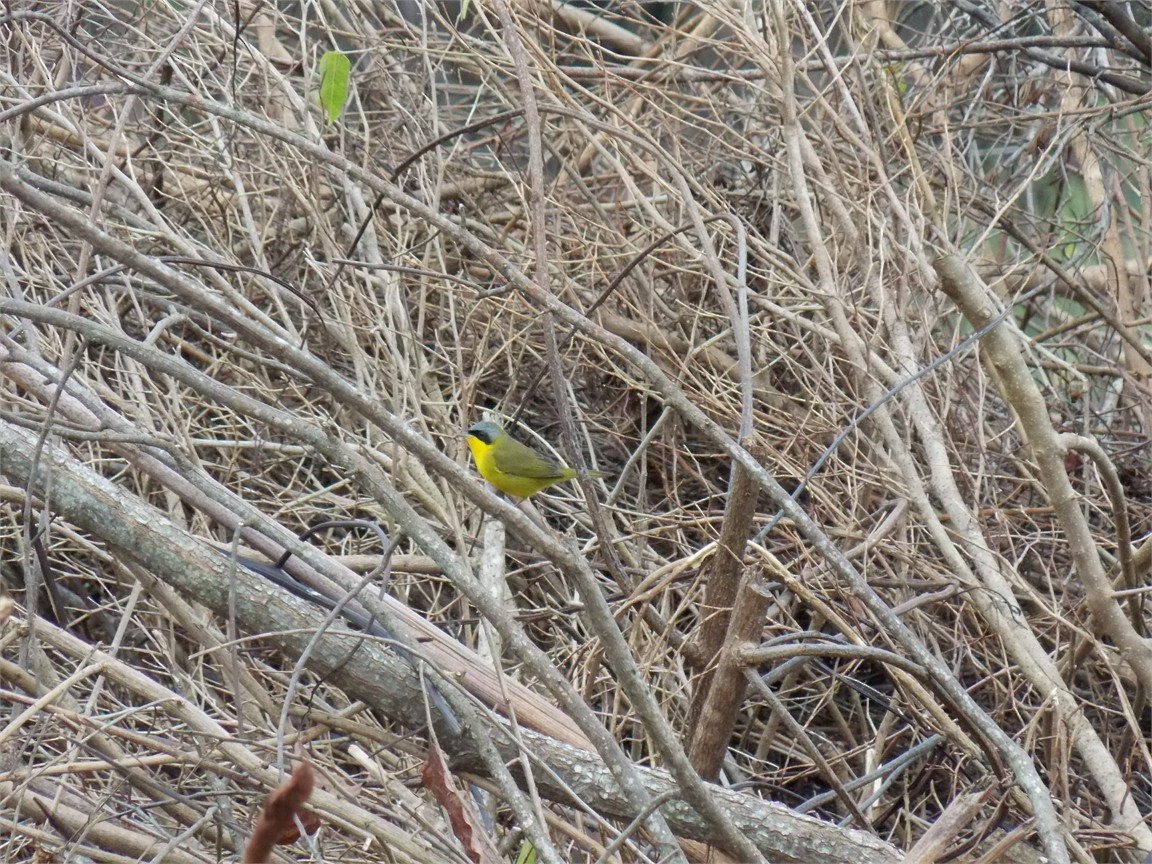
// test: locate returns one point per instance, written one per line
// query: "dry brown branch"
(931, 847)
(733, 616)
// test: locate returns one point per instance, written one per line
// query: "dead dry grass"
(735, 249)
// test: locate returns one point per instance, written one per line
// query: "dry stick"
(735, 611)
(107, 837)
(599, 521)
(974, 299)
(601, 298)
(646, 70)
(884, 55)
(948, 825)
(1031, 656)
(1021, 393)
(1115, 491)
(737, 523)
(98, 740)
(493, 761)
(1111, 246)
(663, 835)
(880, 779)
(33, 576)
(733, 616)
(394, 175)
(199, 631)
(541, 258)
(1115, 15)
(992, 603)
(905, 381)
(768, 653)
(707, 755)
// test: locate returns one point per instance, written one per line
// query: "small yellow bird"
(513, 467)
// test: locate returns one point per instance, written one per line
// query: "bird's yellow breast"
(483, 454)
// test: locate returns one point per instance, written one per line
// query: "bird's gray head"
(485, 431)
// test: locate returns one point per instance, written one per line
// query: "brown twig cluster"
(848, 301)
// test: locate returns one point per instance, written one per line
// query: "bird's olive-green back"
(512, 457)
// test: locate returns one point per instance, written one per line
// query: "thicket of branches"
(848, 300)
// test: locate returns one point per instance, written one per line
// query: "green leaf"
(334, 74)
(464, 14)
(527, 853)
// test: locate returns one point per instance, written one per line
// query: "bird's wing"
(516, 459)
